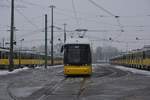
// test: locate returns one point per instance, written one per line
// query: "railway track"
(13, 97)
(110, 74)
(49, 89)
(82, 87)
(103, 73)
(11, 85)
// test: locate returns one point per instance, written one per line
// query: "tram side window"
(32, 56)
(35, 56)
(38, 56)
(29, 56)
(3, 55)
(22, 55)
(147, 54)
(49, 58)
(7, 54)
(15, 55)
(144, 55)
(124, 57)
(26, 56)
(140, 55)
(43, 57)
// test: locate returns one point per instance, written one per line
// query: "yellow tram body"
(139, 59)
(21, 59)
(77, 70)
(29, 62)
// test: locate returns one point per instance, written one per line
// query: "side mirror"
(62, 49)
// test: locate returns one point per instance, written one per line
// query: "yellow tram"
(22, 59)
(138, 59)
(77, 57)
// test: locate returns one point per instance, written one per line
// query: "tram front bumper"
(77, 70)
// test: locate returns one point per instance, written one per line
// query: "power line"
(102, 8)
(75, 13)
(33, 4)
(38, 31)
(28, 20)
(130, 16)
(33, 32)
(119, 24)
(79, 12)
(108, 12)
(86, 19)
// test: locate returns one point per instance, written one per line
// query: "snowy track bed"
(107, 82)
(133, 70)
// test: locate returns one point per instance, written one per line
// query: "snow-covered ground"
(133, 70)
(55, 66)
(6, 72)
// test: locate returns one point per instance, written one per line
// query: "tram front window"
(77, 54)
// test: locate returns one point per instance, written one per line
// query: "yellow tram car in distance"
(77, 57)
(25, 58)
(137, 59)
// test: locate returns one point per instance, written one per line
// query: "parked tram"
(21, 59)
(138, 59)
(77, 57)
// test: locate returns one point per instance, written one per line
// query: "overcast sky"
(29, 21)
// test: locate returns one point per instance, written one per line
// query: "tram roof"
(4, 49)
(77, 41)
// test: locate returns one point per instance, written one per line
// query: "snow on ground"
(56, 66)
(49, 67)
(6, 72)
(133, 70)
(25, 91)
(94, 67)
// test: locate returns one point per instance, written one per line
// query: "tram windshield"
(77, 54)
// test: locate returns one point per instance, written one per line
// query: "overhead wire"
(27, 19)
(32, 4)
(3, 5)
(102, 8)
(75, 13)
(87, 19)
(79, 12)
(110, 13)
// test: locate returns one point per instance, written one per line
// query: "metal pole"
(11, 63)
(45, 41)
(20, 54)
(126, 46)
(52, 26)
(3, 42)
(65, 32)
(20, 49)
